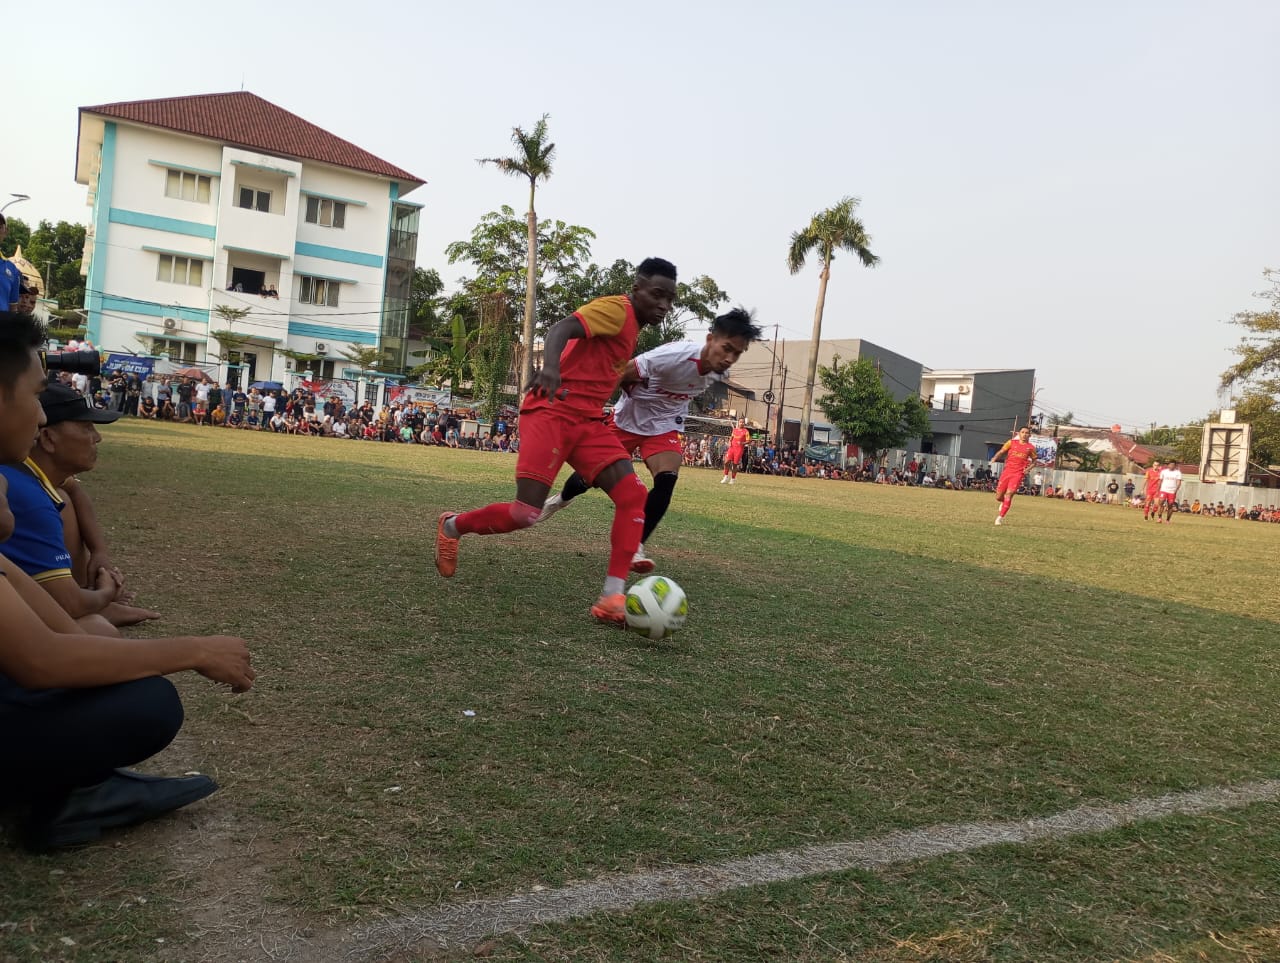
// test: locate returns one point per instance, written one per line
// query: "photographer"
(75, 707)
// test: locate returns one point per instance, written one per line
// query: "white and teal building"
(214, 202)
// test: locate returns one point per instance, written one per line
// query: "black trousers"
(54, 740)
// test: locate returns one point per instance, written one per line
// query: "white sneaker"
(723, 479)
(998, 521)
(550, 507)
(733, 480)
(641, 563)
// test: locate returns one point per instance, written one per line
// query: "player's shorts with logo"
(550, 437)
(649, 445)
(1009, 482)
(1169, 498)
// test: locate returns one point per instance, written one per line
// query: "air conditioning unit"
(962, 389)
(321, 347)
(171, 324)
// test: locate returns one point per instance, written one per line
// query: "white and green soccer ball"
(656, 607)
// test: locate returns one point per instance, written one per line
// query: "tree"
(496, 249)
(366, 357)
(1079, 455)
(56, 252)
(426, 302)
(1259, 350)
(858, 403)
(829, 231)
(532, 161)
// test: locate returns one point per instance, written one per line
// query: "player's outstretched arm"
(546, 381)
(36, 657)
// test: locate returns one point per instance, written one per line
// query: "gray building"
(971, 409)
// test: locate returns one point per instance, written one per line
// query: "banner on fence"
(130, 364)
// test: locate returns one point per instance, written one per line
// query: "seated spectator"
(340, 427)
(147, 409)
(1195, 507)
(278, 422)
(218, 417)
(166, 411)
(75, 708)
(49, 538)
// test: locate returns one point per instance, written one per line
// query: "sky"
(1091, 189)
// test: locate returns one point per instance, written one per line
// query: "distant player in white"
(1170, 482)
(657, 387)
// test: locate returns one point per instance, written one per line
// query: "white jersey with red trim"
(672, 376)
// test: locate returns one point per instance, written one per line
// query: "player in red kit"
(1019, 455)
(657, 387)
(1151, 506)
(738, 439)
(562, 420)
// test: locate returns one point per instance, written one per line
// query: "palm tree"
(834, 229)
(532, 160)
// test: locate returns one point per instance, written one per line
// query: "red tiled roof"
(246, 120)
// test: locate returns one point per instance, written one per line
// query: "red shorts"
(1009, 482)
(1153, 494)
(649, 445)
(551, 437)
(733, 456)
(1168, 497)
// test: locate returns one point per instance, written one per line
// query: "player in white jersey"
(1170, 482)
(657, 387)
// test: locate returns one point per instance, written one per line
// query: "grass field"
(858, 660)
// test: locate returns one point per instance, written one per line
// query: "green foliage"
(1077, 456)
(366, 357)
(426, 304)
(497, 249)
(18, 236)
(56, 252)
(858, 403)
(533, 158)
(829, 232)
(1259, 349)
(231, 315)
(1187, 445)
(1163, 435)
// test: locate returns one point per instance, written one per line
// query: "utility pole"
(782, 403)
(773, 367)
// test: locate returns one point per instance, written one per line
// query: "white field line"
(464, 924)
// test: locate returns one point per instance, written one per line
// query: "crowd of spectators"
(298, 412)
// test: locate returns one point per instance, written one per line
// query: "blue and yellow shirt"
(37, 546)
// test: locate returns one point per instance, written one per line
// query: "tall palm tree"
(831, 230)
(532, 160)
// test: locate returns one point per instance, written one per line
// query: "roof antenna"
(242, 82)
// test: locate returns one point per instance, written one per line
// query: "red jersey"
(590, 367)
(738, 438)
(1021, 454)
(1152, 476)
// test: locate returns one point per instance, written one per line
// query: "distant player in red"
(1019, 455)
(738, 440)
(562, 420)
(1151, 505)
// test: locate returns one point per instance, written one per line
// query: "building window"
(176, 350)
(951, 402)
(186, 186)
(317, 291)
(180, 270)
(326, 213)
(252, 199)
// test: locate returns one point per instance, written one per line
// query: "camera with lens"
(85, 361)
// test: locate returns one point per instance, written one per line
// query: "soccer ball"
(656, 607)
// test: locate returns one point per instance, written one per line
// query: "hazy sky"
(1089, 189)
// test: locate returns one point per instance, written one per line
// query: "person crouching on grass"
(76, 708)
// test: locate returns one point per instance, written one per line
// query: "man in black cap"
(75, 708)
(47, 523)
